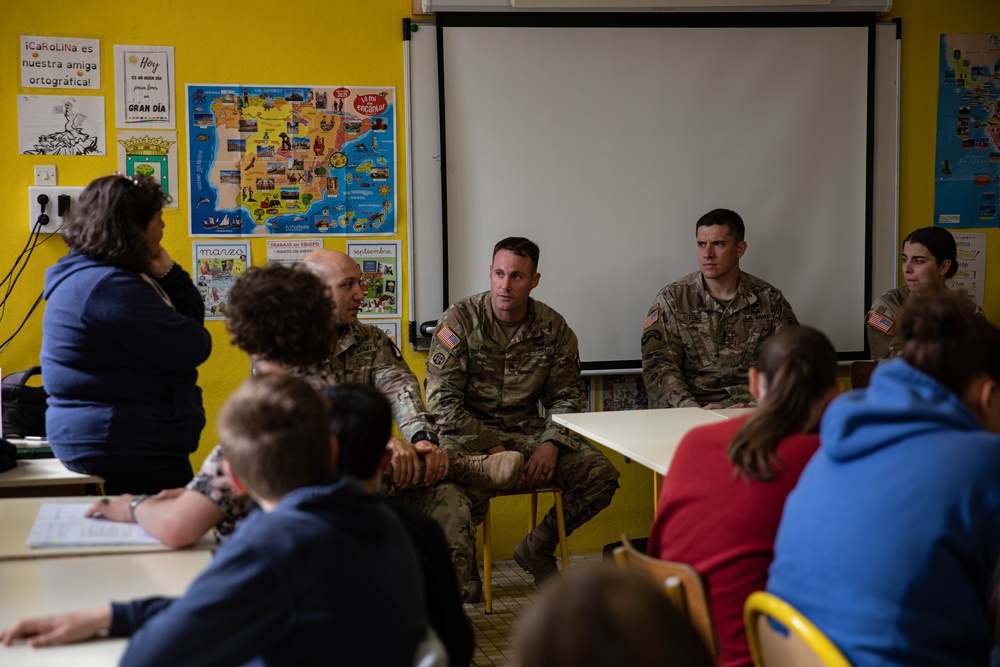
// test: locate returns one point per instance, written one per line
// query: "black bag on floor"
(23, 407)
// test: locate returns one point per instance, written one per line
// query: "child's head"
(281, 314)
(606, 615)
(275, 433)
(361, 421)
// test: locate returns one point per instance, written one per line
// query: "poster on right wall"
(967, 176)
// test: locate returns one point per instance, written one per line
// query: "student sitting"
(723, 495)
(889, 541)
(317, 577)
(605, 615)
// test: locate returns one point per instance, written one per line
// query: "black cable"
(3, 345)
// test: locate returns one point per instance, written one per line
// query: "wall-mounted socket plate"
(52, 207)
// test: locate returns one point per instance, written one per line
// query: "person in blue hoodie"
(122, 339)
(890, 539)
(324, 575)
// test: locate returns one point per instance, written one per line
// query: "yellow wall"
(354, 43)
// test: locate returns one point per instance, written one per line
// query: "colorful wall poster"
(60, 62)
(389, 327)
(290, 251)
(380, 279)
(216, 268)
(291, 160)
(150, 154)
(144, 87)
(971, 275)
(967, 180)
(623, 392)
(60, 125)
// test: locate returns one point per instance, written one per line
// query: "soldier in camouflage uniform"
(420, 472)
(705, 331)
(494, 358)
(929, 258)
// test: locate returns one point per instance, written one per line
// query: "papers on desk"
(64, 525)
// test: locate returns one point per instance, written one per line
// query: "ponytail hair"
(800, 367)
(945, 339)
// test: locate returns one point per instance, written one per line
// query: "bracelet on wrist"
(135, 503)
(164, 274)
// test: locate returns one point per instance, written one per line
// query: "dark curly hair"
(282, 313)
(109, 222)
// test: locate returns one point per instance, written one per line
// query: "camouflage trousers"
(587, 477)
(449, 505)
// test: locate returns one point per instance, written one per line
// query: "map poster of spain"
(291, 160)
(967, 179)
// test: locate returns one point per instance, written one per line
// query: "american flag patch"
(880, 322)
(448, 337)
(652, 317)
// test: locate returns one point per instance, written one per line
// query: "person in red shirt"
(723, 495)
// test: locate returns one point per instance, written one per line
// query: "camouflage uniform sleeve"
(663, 358)
(786, 316)
(563, 389)
(397, 383)
(879, 341)
(447, 373)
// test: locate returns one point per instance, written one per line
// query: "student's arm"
(69, 628)
(663, 358)
(234, 611)
(176, 517)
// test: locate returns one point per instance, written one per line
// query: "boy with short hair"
(317, 577)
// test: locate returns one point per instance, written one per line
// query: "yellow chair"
(556, 492)
(801, 644)
(682, 584)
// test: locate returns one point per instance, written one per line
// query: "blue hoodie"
(329, 577)
(889, 541)
(120, 365)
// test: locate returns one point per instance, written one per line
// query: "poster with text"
(216, 267)
(144, 87)
(380, 279)
(60, 125)
(623, 392)
(389, 327)
(970, 277)
(291, 160)
(290, 251)
(152, 154)
(60, 62)
(967, 177)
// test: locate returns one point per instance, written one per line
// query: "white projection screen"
(606, 139)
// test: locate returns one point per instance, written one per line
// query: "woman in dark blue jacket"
(122, 338)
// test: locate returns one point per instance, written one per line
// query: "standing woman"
(930, 257)
(122, 338)
(889, 542)
(723, 495)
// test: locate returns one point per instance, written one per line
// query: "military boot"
(494, 471)
(473, 592)
(536, 552)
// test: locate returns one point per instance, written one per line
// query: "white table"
(17, 516)
(648, 437)
(32, 476)
(39, 587)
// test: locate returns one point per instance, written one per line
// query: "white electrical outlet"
(51, 207)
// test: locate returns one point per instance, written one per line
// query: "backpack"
(23, 406)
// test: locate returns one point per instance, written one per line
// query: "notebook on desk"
(64, 525)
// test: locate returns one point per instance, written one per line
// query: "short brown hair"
(606, 615)
(275, 433)
(282, 313)
(521, 247)
(110, 221)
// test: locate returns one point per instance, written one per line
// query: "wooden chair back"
(682, 584)
(861, 373)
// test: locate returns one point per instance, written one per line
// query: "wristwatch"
(425, 435)
(135, 503)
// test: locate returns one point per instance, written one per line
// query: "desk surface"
(17, 516)
(38, 587)
(649, 437)
(43, 472)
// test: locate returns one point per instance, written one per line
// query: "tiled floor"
(513, 591)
